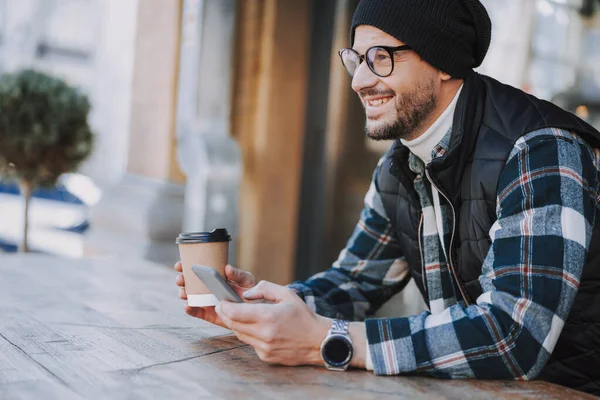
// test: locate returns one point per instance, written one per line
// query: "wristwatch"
(337, 349)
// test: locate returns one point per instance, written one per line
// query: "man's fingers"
(195, 312)
(178, 267)
(267, 291)
(255, 343)
(182, 294)
(242, 278)
(208, 314)
(246, 329)
(180, 281)
(230, 324)
(244, 313)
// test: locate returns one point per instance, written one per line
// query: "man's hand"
(239, 280)
(286, 332)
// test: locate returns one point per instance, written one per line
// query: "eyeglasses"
(380, 59)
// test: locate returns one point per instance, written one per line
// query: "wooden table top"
(109, 328)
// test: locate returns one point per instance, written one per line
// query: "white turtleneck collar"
(424, 144)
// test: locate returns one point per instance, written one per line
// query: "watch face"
(337, 351)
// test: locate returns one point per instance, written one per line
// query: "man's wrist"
(323, 326)
(357, 335)
(359, 342)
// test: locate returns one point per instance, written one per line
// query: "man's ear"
(444, 76)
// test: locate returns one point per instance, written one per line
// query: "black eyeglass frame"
(390, 50)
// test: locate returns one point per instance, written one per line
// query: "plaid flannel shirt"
(546, 207)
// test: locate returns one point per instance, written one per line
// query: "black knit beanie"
(452, 35)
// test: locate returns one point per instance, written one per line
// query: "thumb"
(241, 278)
(267, 291)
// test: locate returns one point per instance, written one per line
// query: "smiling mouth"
(378, 102)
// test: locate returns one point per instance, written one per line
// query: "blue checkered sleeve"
(368, 272)
(546, 207)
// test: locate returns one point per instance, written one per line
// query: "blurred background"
(238, 114)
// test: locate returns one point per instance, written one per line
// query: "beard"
(412, 110)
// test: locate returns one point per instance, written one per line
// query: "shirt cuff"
(390, 346)
(368, 359)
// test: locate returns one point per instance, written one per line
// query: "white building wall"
(89, 43)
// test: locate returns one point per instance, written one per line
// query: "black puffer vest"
(489, 118)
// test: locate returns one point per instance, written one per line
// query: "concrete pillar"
(207, 152)
(142, 214)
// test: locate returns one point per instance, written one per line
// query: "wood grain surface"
(113, 328)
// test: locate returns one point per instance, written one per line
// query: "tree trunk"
(26, 190)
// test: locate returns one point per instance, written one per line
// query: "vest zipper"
(462, 293)
(423, 277)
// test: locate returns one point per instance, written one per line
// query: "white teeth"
(378, 102)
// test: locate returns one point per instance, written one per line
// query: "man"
(487, 198)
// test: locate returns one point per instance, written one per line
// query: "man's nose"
(363, 78)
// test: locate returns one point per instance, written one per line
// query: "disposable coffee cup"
(202, 248)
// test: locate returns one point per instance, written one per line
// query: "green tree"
(44, 132)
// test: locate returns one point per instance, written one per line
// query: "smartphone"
(216, 284)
